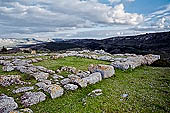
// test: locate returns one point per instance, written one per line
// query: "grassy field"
(77, 62)
(148, 90)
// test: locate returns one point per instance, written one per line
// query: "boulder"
(31, 98)
(93, 78)
(105, 70)
(55, 90)
(70, 87)
(7, 104)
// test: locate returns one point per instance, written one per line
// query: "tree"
(4, 49)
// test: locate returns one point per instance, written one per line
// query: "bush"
(161, 63)
(4, 49)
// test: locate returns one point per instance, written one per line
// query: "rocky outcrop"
(7, 104)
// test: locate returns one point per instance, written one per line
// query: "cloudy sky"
(82, 18)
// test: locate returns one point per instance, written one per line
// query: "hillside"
(156, 43)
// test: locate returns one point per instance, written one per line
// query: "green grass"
(77, 62)
(147, 87)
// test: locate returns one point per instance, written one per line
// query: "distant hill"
(156, 43)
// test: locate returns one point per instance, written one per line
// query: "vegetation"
(77, 62)
(147, 88)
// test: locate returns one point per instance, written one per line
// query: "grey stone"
(7, 80)
(31, 98)
(70, 87)
(7, 68)
(40, 76)
(65, 81)
(96, 92)
(105, 70)
(7, 104)
(93, 78)
(55, 90)
(23, 89)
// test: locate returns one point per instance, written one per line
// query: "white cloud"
(46, 15)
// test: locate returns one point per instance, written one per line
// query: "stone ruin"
(57, 84)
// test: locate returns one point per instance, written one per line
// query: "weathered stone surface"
(42, 85)
(93, 78)
(65, 81)
(83, 74)
(69, 69)
(55, 90)
(25, 110)
(7, 104)
(8, 68)
(55, 76)
(120, 65)
(7, 80)
(23, 89)
(106, 58)
(70, 87)
(105, 70)
(95, 92)
(78, 81)
(31, 98)
(40, 76)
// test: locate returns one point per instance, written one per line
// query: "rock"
(83, 74)
(7, 68)
(31, 98)
(65, 81)
(50, 71)
(106, 58)
(78, 81)
(55, 76)
(7, 104)
(96, 92)
(55, 90)
(70, 87)
(93, 78)
(48, 82)
(40, 76)
(7, 80)
(105, 70)
(69, 69)
(151, 58)
(42, 85)
(120, 65)
(25, 110)
(125, 95)
(23, 89)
